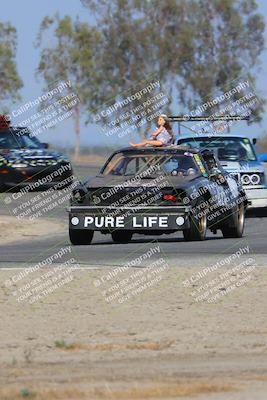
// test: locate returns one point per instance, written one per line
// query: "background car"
(237, 156)
(263, 157)
(25, 161)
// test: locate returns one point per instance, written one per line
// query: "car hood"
(244, 166)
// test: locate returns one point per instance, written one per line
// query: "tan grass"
(118, 346)
(179, 390)
(43, 394)
(166, 392)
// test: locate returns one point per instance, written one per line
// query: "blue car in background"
(237, 155)
(263, 157)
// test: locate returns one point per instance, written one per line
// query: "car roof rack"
(187, 118)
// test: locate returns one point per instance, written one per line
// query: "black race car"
(157, 191)
(26, 162)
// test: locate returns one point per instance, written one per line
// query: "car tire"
(2, 187)
(235, 231)
(198, 226)
(121, 236)
(80, 236)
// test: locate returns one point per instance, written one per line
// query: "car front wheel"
(80, 236)
(236, 231)
(198, 227)
(2, 187)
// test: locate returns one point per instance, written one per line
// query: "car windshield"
(126, 164)
(18, 138)
(225, 148)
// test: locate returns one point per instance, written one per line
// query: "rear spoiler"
(186, 118)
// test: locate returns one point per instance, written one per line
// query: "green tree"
(71, 57)
(10, 82)
(197, 48)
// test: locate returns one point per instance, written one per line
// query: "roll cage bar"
(185, 118)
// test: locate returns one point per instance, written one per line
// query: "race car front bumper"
(163, 218)
(257, 198)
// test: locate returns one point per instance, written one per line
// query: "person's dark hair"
(168, 128)
(167, 125)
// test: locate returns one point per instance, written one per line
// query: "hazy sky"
(26, 16)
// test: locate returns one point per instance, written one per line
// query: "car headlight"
(78, 195)
(19, 165)
(255, 179)
(245, 179)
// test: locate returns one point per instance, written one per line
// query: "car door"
(221, 185)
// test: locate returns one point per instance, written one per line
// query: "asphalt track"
(104, 253)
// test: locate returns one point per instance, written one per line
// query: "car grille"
(133, 196)
(39, 162)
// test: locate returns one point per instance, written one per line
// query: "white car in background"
(237, 155)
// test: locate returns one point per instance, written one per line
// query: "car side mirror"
(254, 140)
(45, 145)
(214, 171)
